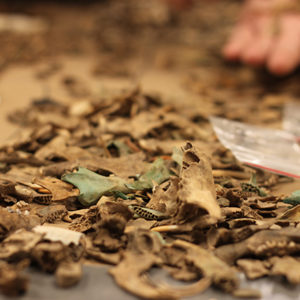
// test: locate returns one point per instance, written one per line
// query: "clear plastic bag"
(273, 150)
(291, 118)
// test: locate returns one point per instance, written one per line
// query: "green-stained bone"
(294, 199)
(121, 195)
(253, 187)
(157, 173)
(93, 186)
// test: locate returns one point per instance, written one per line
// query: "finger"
(239, 40)
(285, 55)
(257, 52)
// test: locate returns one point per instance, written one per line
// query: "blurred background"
(70, 50)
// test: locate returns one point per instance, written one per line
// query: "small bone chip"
(68, 274)
(12, 281)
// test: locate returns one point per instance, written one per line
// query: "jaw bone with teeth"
(263, 244)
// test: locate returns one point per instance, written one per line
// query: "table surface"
(97, 284)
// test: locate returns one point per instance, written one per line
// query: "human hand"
(268, 32)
